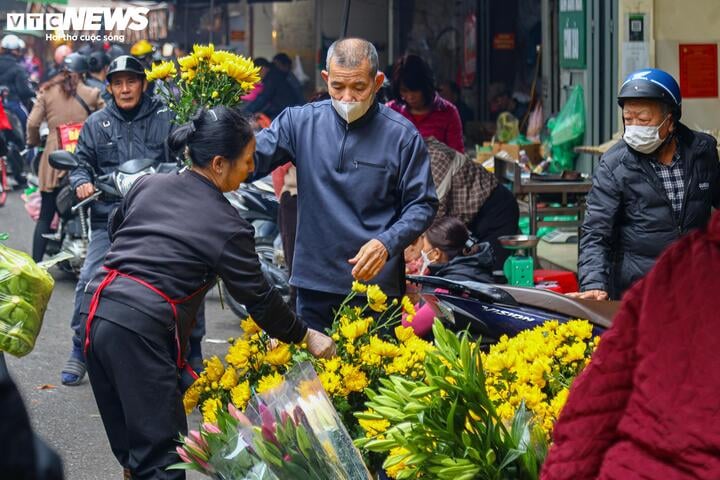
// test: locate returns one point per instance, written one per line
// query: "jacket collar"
(148, 107)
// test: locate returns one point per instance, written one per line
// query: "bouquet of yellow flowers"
(369, 349)
(537, 367)
(252, 366)
(207, 78)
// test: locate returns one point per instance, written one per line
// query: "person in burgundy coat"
(647, 407)
(416, 99)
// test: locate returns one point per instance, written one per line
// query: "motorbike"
(489, 311)
(13, 139)
(68, 245)
(256, 203)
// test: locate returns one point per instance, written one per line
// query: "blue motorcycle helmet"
(652, 84)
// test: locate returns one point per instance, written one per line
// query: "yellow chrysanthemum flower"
(330, 382)
(377, 300)
(373, 428)
(279, 356)
(188, 62)
(239, 354)
(161, 71)
(240, 394)
(214, 369)
(188, 75)
(229, 379)
(203, 52)
(396, 469)
(382, 348)
(356, 329)
(191, 398)
(249, 327)
(404, 333)
(359, 287)
(269, 382)
(354, 379)
(210, 408)
(408, 306)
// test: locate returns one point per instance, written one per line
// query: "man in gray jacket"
(364, 186)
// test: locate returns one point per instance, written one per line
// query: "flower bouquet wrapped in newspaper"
(299, 434)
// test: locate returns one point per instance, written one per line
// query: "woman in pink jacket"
(416, 99)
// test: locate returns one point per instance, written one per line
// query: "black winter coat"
(13, 76)
(107, 140)
(629, 219)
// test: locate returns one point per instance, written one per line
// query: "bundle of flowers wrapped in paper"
(252, 366)
(537, 367)
(290, 431)
(207, 78)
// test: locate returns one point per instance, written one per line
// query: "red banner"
(68, 135)
(699, 70)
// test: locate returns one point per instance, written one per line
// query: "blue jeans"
(97, 249)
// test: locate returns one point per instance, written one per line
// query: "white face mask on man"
(644, 139)
(351, 111)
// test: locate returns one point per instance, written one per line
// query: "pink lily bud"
(238, 415)
(211, 428)
(183, 455)
(198, 438)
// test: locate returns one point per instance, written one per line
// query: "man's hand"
(85, 190)
(319, 344)
(589, 295)
(369, 260)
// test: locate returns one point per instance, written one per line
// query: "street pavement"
(67, 417)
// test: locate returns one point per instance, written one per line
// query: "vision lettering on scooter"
(505, 313)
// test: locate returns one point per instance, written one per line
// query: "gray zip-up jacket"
(359, 181)
(630, 220)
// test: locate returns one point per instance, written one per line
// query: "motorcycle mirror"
(63, 160)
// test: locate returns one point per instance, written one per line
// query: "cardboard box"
(532, 150)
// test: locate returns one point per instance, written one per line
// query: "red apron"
(109, 278)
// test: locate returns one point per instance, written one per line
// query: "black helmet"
(652, 84)
(115, 51)
(76, 63)
(98, 61)
(126, 63)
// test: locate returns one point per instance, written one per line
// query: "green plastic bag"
(524, 224)
(25, 291)
(567, 131)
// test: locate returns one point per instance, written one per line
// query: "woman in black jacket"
(173, 235)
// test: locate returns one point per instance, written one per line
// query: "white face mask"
(351, 111)
(425, 261)
(643, 139)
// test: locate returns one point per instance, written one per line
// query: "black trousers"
(287, 222)
(47, 212)
(498, 216)
(135, 382)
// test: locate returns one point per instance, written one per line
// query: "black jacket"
(14, 76)
(107, 140)
(177, 232)
(280, 90)
(629, 219)
(474, 268)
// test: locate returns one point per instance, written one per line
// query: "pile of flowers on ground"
(537, 367)
(207, 78)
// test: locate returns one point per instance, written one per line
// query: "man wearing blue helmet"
(656, 184)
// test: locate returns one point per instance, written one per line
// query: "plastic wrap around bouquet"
(290, 432)
(25, 290)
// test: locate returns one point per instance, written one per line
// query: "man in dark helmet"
(656, 184)
(132, 125)
(98, 63)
